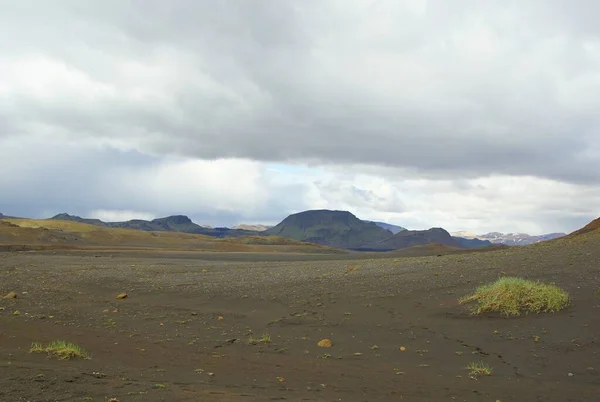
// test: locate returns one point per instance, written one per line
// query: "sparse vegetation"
(60, 349)
(265, 338)
(512, 296)
(478, 369)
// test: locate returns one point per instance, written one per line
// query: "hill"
(411, 238)
(174, 223)
(472, 243)
(342, 229)
(331, 228)
(17, 234)
(593, 226)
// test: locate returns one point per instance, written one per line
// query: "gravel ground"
(182, 312)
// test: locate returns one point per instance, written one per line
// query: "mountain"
(330, 228)
(74, 218)
(392, 228)
(509, 239)
(254, 228)
(174, 223)
(518, 239)
(410, 238)
(465, 234)
(467, 242)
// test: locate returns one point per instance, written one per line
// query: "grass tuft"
(60, 349)
(478, 369)
(512, 296)
(265, 338)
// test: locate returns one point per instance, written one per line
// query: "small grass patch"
(512, 296)
(478, 369)
(60, 349)
(265, 338)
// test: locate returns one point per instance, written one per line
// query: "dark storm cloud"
(458, 89)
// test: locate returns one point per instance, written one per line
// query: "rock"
(325, 343)
(10, 295)
(570, 374)
(122, 296)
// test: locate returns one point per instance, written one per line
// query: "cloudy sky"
(469, 115)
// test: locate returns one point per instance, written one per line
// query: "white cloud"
(119, 215)
(478, 116)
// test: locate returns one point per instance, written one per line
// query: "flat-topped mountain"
(344, 230)
(74, 218)
(330, 228)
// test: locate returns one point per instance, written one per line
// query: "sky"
(467, 115)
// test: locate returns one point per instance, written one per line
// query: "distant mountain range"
(174, 223)
(339, 229)
(509, 239)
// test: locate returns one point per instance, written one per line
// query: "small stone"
(570, 374)
(280, 379)
(325, 343)
(122, 296)
(211, 374)
(10, 295)
(402, 348)
(220, 318)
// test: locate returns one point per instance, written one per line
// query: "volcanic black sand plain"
(245, 326)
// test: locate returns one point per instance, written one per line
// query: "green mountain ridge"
(340, 229)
